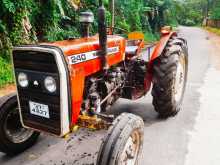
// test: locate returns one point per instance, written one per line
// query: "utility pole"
(207, 9)
(112, 10)
(207, 12)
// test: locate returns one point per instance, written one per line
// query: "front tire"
(170, 77)
(14, 138)
(123, 142)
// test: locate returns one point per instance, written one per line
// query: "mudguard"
(4, 99)
(158, 50)
(161, 45)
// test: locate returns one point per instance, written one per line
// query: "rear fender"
(159, 48)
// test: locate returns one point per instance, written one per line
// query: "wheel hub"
(130, 152)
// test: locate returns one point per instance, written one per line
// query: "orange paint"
(78, 72)
(161, 45)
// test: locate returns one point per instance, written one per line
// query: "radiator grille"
(38, 65)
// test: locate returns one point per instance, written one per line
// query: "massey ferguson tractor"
(74, 83)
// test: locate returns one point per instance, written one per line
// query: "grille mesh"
(38, 65)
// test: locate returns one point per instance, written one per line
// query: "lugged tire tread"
(5, 145)
(163, 71)
(114, 137)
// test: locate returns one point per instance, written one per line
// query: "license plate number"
(39, 109)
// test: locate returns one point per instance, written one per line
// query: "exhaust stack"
(102, 30)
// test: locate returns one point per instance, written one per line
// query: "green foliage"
(190, 12)
(215, 10)
(59, 34)
(6, 75)
(30, 21)
(193, 12)
(149, 37)
(9, 6)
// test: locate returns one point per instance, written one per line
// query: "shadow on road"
(140, 107)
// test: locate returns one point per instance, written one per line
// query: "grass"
(6, 74)
(213, 30)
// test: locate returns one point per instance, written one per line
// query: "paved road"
(190, 138)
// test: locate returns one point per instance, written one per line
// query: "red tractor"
(73, 83)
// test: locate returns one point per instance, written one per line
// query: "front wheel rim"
(13, 128)
(179, 79)
(130, 152)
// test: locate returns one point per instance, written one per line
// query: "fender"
(6, 98)
(159, 48)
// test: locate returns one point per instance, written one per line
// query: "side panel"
(80, 69)
(89, 60)
(77, 78)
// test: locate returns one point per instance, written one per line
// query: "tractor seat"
(132, 50)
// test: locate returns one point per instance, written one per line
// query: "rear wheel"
(124, 141)
(13, 137)
(169, 78)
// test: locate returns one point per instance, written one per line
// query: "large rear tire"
(170, 77)
(14, 138)
(123, 142)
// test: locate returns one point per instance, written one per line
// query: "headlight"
(50, 84)
(23, 80)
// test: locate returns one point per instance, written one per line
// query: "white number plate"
(39, 109)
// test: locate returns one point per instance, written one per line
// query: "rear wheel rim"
(130, 152)
(13, 128)
(179, 79)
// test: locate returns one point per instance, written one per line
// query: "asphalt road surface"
(190, 138)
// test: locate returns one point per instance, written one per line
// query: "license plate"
(39, 109)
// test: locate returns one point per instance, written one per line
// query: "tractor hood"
(83, 45)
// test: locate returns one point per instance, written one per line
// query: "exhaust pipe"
(112, 10)
(102, 30)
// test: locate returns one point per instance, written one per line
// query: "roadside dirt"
(215, 41)
(7, 90)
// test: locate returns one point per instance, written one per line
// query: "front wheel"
(13, 137)
(123, 142)
(169, 78)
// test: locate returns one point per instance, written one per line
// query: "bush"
(189, 22)
(150, 37)
(57, 34)
(30, 21)
(215, 14)
(6, 74)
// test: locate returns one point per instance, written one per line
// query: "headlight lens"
(50, 84)
(23, 80)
